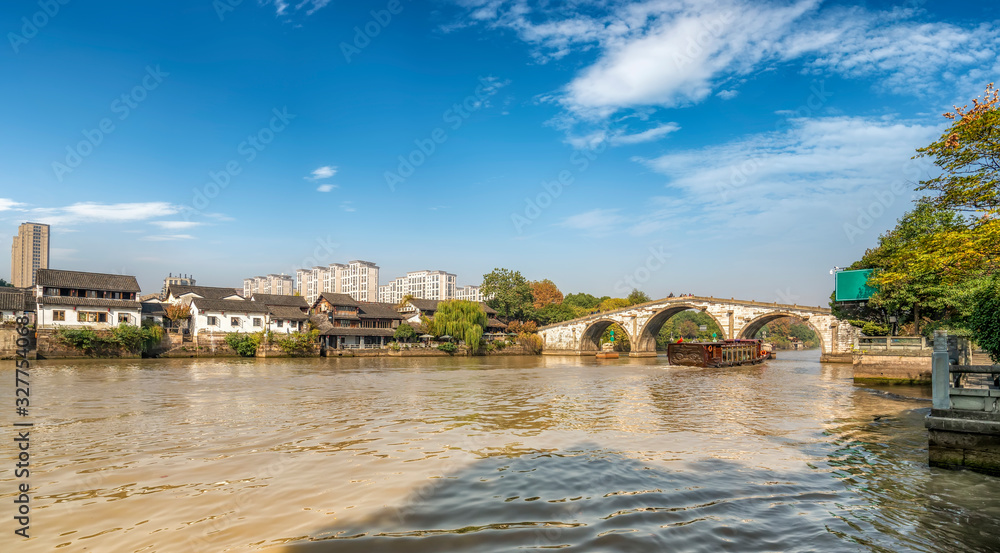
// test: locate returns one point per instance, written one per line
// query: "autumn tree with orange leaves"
(932, 267)
(545, 293)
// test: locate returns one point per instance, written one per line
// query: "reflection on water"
(487, 455)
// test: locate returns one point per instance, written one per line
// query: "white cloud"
(176, 225)
(324, 172)
(165, 237)
(92, 212)
(817, 174)
(6, 204)
(595, 221)
(325, 187)
(281, 6)
(346, 206)
(620, 137)
(674, 53)
(648, 135)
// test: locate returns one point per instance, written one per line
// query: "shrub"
(298, 344)
(448, 347)
(245, 345)
(532, 343)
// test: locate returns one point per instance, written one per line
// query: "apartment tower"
(29, 253)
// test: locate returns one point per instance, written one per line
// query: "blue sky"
(727, 148)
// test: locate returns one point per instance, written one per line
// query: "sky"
(722, 148)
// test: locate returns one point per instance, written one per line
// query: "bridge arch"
(753, 327)
(647, 336)
(591, 338)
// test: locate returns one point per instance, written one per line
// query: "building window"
(277, 323)
(213, 321)
(256, 321)
(58, 315)
(234, 321)
(123, 318)
(91, 317)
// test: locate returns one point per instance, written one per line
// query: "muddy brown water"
(482, 454)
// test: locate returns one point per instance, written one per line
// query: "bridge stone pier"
(736, 318)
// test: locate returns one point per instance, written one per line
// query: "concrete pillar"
(940, 374)
(732, 324)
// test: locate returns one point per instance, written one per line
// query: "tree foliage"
(545, 293)
(462, 320)
(245, 345)
(509, 293)
(984, 322)
(404, 333)
(638, 296)
(968, 154)
(178, 311)
(930, 269)
(583, 300)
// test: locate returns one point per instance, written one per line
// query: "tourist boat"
(727, 353)
(768, 348)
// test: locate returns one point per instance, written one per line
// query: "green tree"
(5, 284)
(509, 293)
(404, 333)
(637, 297)
(462, 320)
(583, 300)
(984, 322)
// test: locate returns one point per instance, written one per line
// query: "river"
(482, 454)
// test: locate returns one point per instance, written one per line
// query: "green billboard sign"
(853, 285)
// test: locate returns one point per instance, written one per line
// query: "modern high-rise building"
(469, 292)
(29, 253)
(358, 279)
(279, 285)
(428, 285)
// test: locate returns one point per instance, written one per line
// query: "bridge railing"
(962, 387)
(888, 343)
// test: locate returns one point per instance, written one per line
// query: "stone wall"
(203, 345)
(49, 346)
(898, 368)
(8, 342)
(964, 439)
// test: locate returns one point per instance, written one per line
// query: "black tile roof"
(341, 331)
(233, 306)
(287, 313)
(378, 310)
(87, 302)
(153, 308)
(279, 299)
(207, 292)
(11, 301)
(90, 281)
(337, 299)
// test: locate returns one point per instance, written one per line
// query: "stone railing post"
(940, 373)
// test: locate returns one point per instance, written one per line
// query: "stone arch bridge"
(736, 318)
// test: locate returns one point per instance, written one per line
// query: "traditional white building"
(14, 303)
(286, 314)
(229, 315)
(85, 300)
(182, 294)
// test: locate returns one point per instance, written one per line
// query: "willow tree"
(461, 319)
